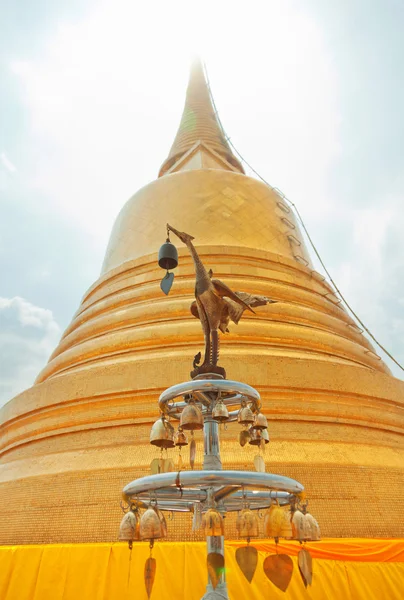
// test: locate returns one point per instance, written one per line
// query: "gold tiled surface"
(125, 314)
(216, 206)
(84, 507)
(70, 443)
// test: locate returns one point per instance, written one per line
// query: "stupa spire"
(199, 123)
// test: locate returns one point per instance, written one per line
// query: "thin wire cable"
(296, 210)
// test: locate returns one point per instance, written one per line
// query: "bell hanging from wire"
(258, 436)
(180, 441)
(220, 412)
(180, 438)
(260, 422)
(129, 529)
(245, 415)
(277, 522)
(304, 525)
(212, 523)
(191, 417)
(247, 524)
(151, 526)
(162, 433)
(167, 259)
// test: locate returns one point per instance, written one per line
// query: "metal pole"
(211, 459)
(216, 544)
(212, 462)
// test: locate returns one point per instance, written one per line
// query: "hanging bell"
(247, 524)
(255, 436)
(243, 437)
(260, 422)
(151, 527)
(245, 415)
(212, 523)
(129, 530)
(305, 526)
(277, 522)
(162, 434)
(191, 417)
(168, 256)
(265, 435)
(220, 412)
(180, 438)
(315, 535)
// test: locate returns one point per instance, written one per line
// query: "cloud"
(370, 277)
(7, 164)
(99, 118)
(28, 334)
(103, 115)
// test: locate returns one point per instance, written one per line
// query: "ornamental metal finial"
(215, 306)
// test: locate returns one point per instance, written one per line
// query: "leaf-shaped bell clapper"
(129, 529)
(168, 256)
(151, 527)
(247, 524)
(180, 438)
(220, 412)
(245, 415)
(212, 523)
(162, 434)
(277, 522)
(260, 422)
(191, 417)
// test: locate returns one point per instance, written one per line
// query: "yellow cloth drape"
(348, 569)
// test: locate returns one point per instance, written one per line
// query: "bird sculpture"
(215, 306)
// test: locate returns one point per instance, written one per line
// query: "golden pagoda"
(73, 440)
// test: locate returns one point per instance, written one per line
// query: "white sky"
(311, 95)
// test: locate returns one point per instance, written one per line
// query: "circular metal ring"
(204, 386)
(209, 479)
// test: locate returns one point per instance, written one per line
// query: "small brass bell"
(314, 527)
(212, 523)
(151, 527)
(277, 522)
(180, 438)
(247, 524)
(129, 529)
(245, 415)
(191, 417)
(260, 421)
(162, 434)
(255, 437)
(220, 412)
(168, 256)
(305, 526)
(265, 435)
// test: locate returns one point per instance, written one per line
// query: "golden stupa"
(73, 440)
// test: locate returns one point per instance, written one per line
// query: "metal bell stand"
(211, 487)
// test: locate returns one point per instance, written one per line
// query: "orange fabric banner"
(356, 549)
(112, 572)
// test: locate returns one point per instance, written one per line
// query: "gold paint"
(335, 414)
(199, 124)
